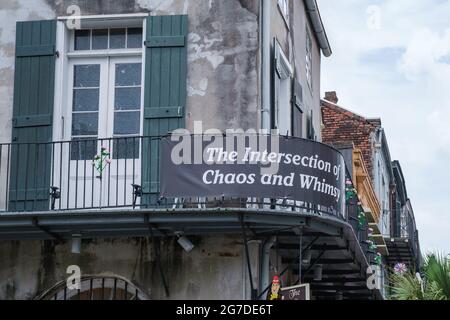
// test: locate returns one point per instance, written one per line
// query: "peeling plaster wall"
(223, 51)
(212, 270)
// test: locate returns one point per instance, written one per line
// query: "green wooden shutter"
(297, 109)
(311, 132)
(29, 187)
(165, 92)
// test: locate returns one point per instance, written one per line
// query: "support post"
(300, 256)
(265, 265)
(247, 255)
(158, 258)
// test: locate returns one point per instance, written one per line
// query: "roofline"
(327, 103)
(386, 152)
(319, 30)
(396, 167)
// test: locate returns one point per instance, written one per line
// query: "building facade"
(343, 126)
(391, 216)
(89, 90)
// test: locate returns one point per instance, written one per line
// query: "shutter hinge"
(57, 53)
(161, 113)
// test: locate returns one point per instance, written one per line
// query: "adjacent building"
(383, 187)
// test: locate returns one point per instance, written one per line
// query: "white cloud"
(424, 53)
(401, 73)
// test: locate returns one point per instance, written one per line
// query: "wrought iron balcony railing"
(68, 175)
(94, 173)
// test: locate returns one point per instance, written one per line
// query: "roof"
(351, 114)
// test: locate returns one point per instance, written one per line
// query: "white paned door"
(104, 114)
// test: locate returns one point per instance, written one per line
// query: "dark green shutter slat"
(160, 113)
(35, 51)
(298, 95)
(32, 121)
(165, 92)
(34, 80)
(164, 42)
(29, 194)
(297, 109)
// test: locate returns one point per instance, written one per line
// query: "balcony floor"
(333, 242)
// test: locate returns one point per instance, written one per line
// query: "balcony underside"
(332, 242)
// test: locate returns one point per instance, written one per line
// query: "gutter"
(319, 30)
(265, 64)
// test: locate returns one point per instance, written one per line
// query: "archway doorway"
(97, 287)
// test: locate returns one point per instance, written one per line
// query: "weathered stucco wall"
(291, 34)
(222, 92)
(214, 269)
(222, 53)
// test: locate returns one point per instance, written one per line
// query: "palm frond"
(405, 287)
(437, 273)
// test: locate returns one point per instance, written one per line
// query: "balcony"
(403, 244)
(56, 190)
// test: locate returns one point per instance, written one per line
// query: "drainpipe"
(265, 266)
(319, 30)
(265, 64)
(265, 123)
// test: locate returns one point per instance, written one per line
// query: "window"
(103, 39)
(297, 128)
(95, 88)
(311, 132)
(106, 102)
(127, 107)
(283, 109)
(284, 8)
(85, 110)
(106, 91)
(308, 64)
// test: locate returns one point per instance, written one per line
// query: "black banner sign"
(253, 166)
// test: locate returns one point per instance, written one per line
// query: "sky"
(391, 59)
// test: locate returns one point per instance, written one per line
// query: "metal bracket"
(44, 229)
(137, 193)
(55, 194)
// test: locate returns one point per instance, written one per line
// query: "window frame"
(283, 88)
(64, 47)
(309, 58)
(108, 48)
(114, 61)
(62, 118)
(283, 6)
(297, 109)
